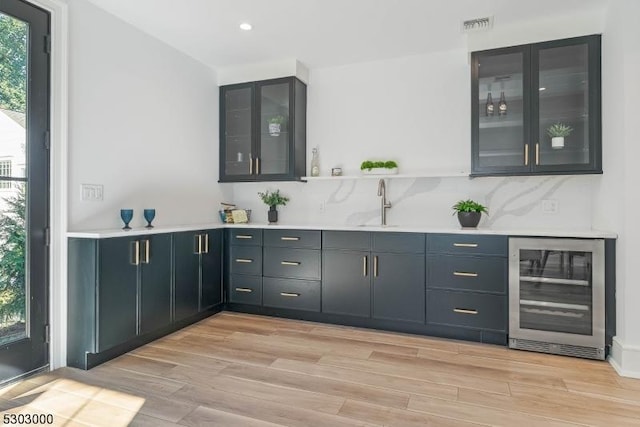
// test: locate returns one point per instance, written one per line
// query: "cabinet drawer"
(357, 240)
(245, 289)
(309, 239)
(293, 263)
(246, 236)
(469, 309)
(245, 260)
(293, 294)
(398, 242)
(467, 244)
(487, 274)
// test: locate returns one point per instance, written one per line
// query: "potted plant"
(558, 132)
(275, 123)
(369, 167)
(469, 212)
(273, 199)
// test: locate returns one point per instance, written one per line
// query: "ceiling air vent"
(478, 24)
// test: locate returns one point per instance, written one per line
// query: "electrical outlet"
(550, 206)
(322, 207)
(91, 192)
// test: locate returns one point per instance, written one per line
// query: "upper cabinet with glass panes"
(536, 109)
(263, 130)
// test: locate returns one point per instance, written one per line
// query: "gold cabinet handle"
(244, 260)
(537, 153)
(464, 274)
(290, 239)
(289, 294)
(294, 263)
(375, 266)
(136, 252)
(250, 165)
(257, 165)
(465, 245)
(206, 243)
(243, 236)
(526, 154)
(147, 251)
(365, 260)
(197, 244)
(465, 311)
(244, 290)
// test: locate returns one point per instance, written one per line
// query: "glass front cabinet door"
(263, 131)
(536, 109)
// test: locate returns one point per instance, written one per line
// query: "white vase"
(274, 129)
(557, 142)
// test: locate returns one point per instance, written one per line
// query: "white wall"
(143, 122)
(616, 195)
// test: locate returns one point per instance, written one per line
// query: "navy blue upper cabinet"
(536, 109)
(263, 131)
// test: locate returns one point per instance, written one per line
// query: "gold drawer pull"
(244, 290)
(294, 263)
(290, 239)
(243, 260)
(463, 274)
(289, 294)
(465, 311)
(243, 236)
(465, 245)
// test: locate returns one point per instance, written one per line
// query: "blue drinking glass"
(149, 214)
(127, 216)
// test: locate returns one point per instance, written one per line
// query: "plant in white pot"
(558, 132)
(469, 212)
(275, 123)
(379, 168)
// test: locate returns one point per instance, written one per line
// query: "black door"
(346, 282)
(399, 287)
(117, 291)
(211, 269)
(155, 282)
(188, 246)
(24, 188)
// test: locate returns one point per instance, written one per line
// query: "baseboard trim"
(625, 359)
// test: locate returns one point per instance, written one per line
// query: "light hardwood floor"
(241, 370)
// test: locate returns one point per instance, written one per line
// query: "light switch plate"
(91, 192)
(550, 206)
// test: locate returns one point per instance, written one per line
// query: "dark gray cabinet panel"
(291, 293)
(211, 264)
(187, 274)
(155, 282)
(246, 237)
(309, 239)
(467, 244)
(468, 309)
(117, 291)
(245, 289)
(470, 273)
(398, 242)
(356, 240)
(293, 263)
(399, 287)
(245, 260)
(346, 287)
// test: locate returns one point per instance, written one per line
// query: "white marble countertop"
(103, 234)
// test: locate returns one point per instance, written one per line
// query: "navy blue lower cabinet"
(187, 273)
(346, 282)
(291, 294)
(399, 287)
(155, 282)
(245, 289)
(467, 309)
(211, 265)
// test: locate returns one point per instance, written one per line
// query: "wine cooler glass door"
(557, 290)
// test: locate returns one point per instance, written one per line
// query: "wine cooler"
(557, 296)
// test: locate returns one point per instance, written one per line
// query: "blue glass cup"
(127, 216)
(149, 214)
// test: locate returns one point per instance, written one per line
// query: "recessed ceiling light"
(542, 88)
(245, 26)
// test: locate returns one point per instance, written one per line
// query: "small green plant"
(276, 120)
(559, 130)
(368, 165)
(273, 198)
(468, 206)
